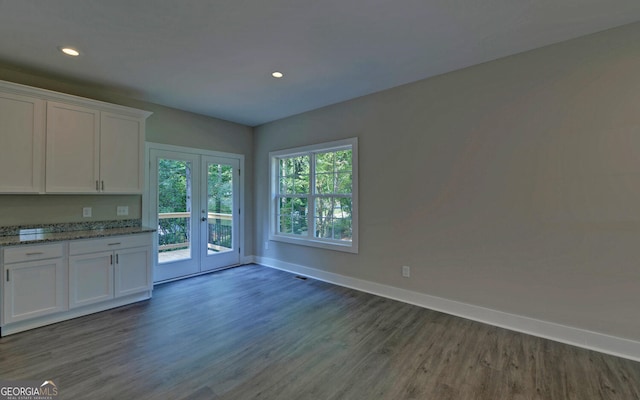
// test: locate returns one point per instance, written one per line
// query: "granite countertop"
(18, 235)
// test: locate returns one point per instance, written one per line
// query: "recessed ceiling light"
(277, 74)
(70, 51)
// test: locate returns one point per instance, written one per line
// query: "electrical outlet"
(122, 210)
(406, 271)
(86, 212)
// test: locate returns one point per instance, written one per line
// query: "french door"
(219, 213)
(196, 205)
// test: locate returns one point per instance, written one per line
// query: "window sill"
(349, 247)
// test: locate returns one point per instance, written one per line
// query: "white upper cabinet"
(91, 151)
(78, 146)
(21, 144)
(121, 153)
(73, 145)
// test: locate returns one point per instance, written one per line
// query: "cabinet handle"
(114, 244)
(111, 259)
(97, 187)
(7, 275)
(117, 259)
(34, 253)
(103, 186)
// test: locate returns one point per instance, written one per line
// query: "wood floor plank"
(257, 333)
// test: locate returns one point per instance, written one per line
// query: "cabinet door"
(133, 270)
(121, 153)
(21, 144)
(33, 289)
(90, 278)
(72, 164)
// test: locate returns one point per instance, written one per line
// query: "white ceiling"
(215, 57)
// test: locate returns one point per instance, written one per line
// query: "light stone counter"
(19, 235)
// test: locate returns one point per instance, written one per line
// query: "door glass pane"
(219, 208)
(174, 210)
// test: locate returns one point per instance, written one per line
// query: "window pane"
(293, 175)
(299, 224)
(342, 229)
(324, 228)
(342, 208)
(325, 162)
(294, 185)
(301, 184)
(294, 165)
(343, 161)
(323, 216)
(333, 172)
(285, 185)
(292, 214)
(283, 167)
(325, 176)
(324, 207)
(325, 183)
(333, 218)
(343, 183)
(336, 207)
(285, 224)
(285, 206)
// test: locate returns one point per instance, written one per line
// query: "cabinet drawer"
(108, 243)
(35, 252)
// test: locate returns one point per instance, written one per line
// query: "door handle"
(203, 219)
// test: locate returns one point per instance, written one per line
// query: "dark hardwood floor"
(256, 333)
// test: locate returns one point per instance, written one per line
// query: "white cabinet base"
(21, 326)
(48, 283)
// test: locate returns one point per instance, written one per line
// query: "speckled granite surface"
(28, 234)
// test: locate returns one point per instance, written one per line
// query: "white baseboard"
(247, 260)
(590, 340)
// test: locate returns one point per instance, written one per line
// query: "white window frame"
(310, 240)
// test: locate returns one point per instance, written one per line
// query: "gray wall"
(513, 185)
(166, 125)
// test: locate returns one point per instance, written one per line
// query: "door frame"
(148, 217)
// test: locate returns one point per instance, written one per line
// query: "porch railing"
(175, 235)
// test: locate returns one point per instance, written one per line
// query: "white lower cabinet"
(90, 278)
(52, 282)
(107, 268)
(130, 276)
(34, 282)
